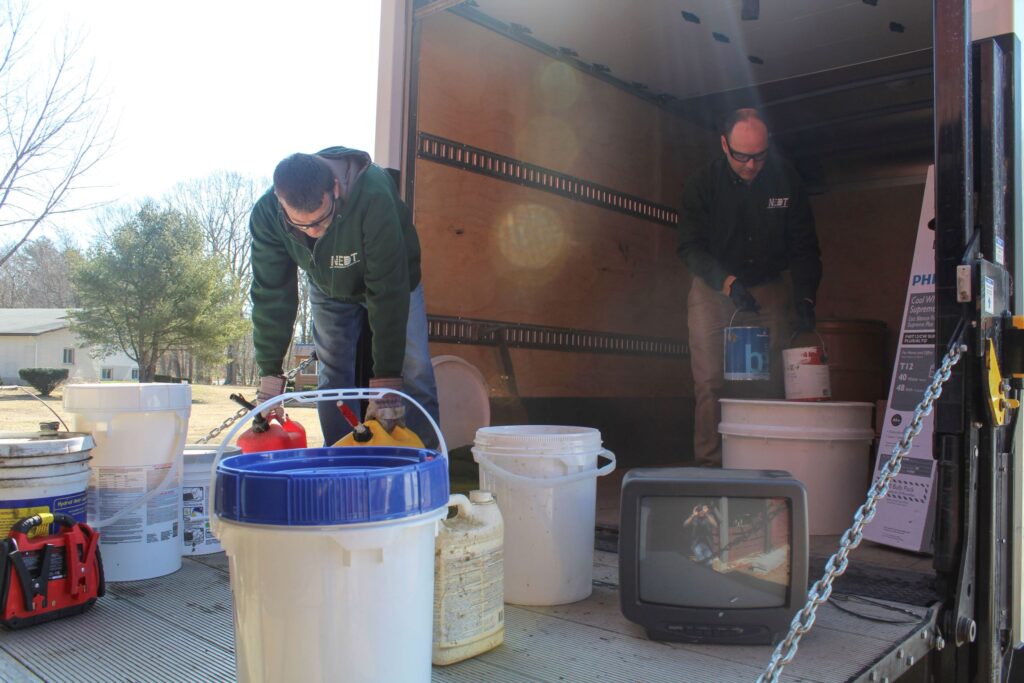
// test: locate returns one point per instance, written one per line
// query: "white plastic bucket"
(827, 446)
(42, 473)
(351, 599)
(197, 537)
(346, 601)
(135, 489)
(544, 479)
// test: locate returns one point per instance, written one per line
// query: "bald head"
(745, 143)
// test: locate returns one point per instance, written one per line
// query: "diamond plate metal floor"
(179, 628)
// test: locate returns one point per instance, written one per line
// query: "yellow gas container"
(372, 433)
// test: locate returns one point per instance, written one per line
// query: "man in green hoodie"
(339, 218)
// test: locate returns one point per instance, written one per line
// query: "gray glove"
(388, 410)
(271, 386)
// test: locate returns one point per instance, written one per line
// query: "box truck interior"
(543, 146)
(546, 150)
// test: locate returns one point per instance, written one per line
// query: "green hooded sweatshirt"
(370, 254)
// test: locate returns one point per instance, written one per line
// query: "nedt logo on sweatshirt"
(345, 260)
(778, 202)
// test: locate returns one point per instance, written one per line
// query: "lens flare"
(532, 237)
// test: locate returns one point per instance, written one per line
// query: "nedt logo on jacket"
(344, 260)
(778, 202)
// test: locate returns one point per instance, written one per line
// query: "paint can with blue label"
(747, 354)
(45, 471)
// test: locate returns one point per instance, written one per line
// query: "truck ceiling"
(835, 77)
(668, 45)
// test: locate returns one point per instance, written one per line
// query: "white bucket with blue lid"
(331, 555)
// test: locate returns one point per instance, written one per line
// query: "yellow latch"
(998, 388)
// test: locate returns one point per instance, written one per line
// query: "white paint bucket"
(332, 561)
(826, 445)
(42, 473)
(544, 478)
(197, 537)
(806, 374)
(135, 489)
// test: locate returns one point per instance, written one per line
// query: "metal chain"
(223, 425)
(290, 375)
(822, 589)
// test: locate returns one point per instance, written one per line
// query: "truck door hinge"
(964, 292)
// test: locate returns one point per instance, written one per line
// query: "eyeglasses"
(742, 158)
(304, 227)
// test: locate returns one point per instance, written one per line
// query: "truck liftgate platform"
(179, 628)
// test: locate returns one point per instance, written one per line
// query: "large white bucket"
(331, 552)
(348, 600)
(42, 473)
(544, 478)
(827, 446)
(135, 488)
(197, 537)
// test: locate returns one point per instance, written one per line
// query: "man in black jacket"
(744, 221)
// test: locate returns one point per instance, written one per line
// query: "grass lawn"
(20, 412)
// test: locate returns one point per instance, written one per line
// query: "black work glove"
(743, 299)
(805, 320)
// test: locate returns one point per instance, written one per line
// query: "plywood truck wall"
(867, 246)
(496, 250)
(504, 251)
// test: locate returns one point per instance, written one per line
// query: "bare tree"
(39, 275)
(52, 127)
(221, 203)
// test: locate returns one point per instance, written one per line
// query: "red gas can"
(272, 435)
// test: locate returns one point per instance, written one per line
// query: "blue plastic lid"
(324, 486)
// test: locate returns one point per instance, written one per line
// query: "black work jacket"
(753, 231)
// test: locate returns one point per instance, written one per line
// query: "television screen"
(723, 552)
(710, 555)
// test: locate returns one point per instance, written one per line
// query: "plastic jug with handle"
(469, 612)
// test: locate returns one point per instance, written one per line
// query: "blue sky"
(196, 87)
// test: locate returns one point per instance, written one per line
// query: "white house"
(41, 338)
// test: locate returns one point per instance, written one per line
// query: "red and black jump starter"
(49, 577)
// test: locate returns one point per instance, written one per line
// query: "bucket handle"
(824, 349)
(532, 482)
(737, 312)
(170, 476)
(310, 397)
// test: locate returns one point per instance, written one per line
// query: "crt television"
(712, 556)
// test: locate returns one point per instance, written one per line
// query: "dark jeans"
(336, 329)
